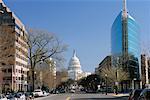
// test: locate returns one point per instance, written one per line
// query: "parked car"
(145, 95)
(62, 91)
(134, 94)
(72, 91)
(38, 93)
(11, 96)
(2, 97)
(54, 91)
(45, 93)
(90, 91)
(20, 95)
(29, 96)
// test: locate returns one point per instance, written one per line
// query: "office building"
(106, 62)
(13, 51)
(125, 44)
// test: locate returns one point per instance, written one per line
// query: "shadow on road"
(117, 98)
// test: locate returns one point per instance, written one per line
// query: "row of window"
(20, 64)
(18, 27)
(22, 51)
(10, 71)
(20, 71)
(21, 43)
(21, 57)
(7, 78)
(21, 37)
(21, 78)
(6, 70)
(7, 21)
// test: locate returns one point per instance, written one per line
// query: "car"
(54, 91)
(90, 91)
(134, 94)
(20, 95)
(2, 97)
(38, 93)
(72, 91)
(61, 90)
(29, 96)
(145, 95)
(11, 96)
(45, 93)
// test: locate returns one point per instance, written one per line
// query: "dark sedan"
(145, 95)
(134, 94)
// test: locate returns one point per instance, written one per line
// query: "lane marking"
(68, 98)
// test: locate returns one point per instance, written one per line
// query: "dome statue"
(74, 68)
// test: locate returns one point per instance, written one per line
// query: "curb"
(42, 98)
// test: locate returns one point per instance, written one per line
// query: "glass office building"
(125, 43)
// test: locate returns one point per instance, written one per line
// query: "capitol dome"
(74, 63)
(74, 68)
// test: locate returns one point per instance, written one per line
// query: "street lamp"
(116, 83)
(106, 82)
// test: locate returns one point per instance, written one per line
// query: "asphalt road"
(82, 97)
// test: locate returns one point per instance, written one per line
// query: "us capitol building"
(74, 69)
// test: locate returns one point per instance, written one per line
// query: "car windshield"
(137, 93)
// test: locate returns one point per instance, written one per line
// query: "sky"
(84, 25)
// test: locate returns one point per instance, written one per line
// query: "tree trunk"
(33, 79)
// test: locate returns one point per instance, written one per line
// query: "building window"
(29, 77)
(3, 64)
(17, 26)
(4, 70)
(9, 70)
(17, 34)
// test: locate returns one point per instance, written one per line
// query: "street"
(70, 96)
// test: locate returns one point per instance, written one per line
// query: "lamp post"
(106, 82)
(116, 83)
(35, 78)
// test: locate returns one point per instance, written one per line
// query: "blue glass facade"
(126, 42)
(133, 37)
(116, 35)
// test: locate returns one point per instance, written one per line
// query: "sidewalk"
(119, 94)
(42, 98)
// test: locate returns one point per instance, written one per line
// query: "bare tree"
(114, 74)
(46, 73)
(42, 45)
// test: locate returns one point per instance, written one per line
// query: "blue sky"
(82, 24)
